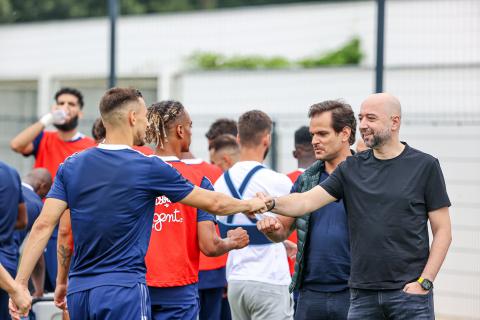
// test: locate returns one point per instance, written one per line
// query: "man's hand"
(257, 206)
(414, 288)
(59, 296)
(238, 237)
(268, 225)
(291, 248)
(20, 302)
(57, 116)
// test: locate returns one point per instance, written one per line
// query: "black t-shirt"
(387, 203)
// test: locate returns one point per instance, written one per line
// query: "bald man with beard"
(391, 192)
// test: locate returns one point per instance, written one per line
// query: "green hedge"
(349, 54)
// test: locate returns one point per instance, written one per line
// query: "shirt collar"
(108, 146)
(169, 158)
(26, 185)
(192, 161)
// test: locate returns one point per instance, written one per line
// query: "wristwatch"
(425, 283)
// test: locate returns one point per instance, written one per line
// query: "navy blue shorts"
(110, 303)
(175, 311)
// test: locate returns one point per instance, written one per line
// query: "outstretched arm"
(221, 204)
(298, 204)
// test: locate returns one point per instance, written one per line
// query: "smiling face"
(327, 143)
(379, 120)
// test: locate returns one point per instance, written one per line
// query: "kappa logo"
(160, 218)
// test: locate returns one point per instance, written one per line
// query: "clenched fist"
(268, 225)
(238, 238)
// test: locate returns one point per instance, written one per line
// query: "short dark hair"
(98, 130)
(222, 126)
(116, 97)
(252, 126)
(303, 136)
(225, 141)
(73, 92)
(160, 117)
(342, 116)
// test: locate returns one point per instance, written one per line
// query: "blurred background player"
(303, 152)
(50, 148)
(35, 186)
(219, 127)
(13, 215)
(179, 232)
(224, 151)
(258, 275)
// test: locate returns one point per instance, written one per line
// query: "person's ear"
(396, 120)
(180, 131)
(132, 117)
(295, 154)
(346, 132)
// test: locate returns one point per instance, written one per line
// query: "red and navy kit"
(111, 192)
(212, 275)
(173, 254)
(49, 150)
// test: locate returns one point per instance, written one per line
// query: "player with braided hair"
(179, 232)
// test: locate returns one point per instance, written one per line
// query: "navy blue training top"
(10, 197)
(111, 192)
(327, 250)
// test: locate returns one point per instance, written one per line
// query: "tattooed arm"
(64, 255)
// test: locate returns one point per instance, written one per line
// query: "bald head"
(40, 180)
(384, 102)
(379, 120)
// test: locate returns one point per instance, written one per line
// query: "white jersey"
(264, 263)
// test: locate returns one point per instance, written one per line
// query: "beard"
(138, 141)
(68, 126)
(378, 138)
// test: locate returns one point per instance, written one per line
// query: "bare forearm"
(438, 251)
(64, 248)
(218, 247)
(38, 276)
(6, 281)
(24, 138)
(299, 204)
(34, 247)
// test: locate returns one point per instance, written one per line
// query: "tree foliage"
(349, 54)
(36, 10)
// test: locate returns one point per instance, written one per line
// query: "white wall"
(419, 32)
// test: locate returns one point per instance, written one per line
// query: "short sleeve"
(58, 190)
(36, 143)
(203, 215)
(166, 180)
(334, 183)
(436, 196)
